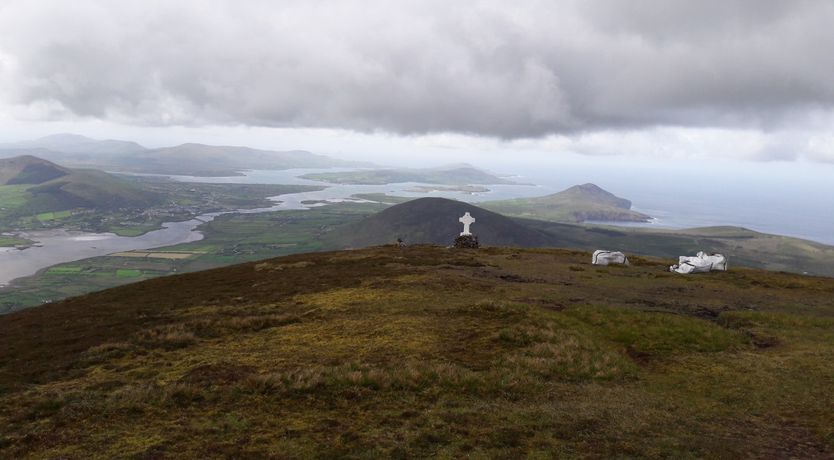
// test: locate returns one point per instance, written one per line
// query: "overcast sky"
(741, 79)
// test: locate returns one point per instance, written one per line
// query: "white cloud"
(481, 67)
(662, 78)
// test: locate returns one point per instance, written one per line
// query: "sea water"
(784, 198)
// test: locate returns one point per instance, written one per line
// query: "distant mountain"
(435, 221)
(186, 159)
(35, 185)
(212, 160)
(449, 175)
(74, 151)
(75, 144)
(579, 203)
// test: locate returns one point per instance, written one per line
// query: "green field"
(55, 215)
(229, 239)
(64, 269)
(12, 198)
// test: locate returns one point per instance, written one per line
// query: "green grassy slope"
(424, 351)
(30, 186)
(577, 204)
(12, 199)
(89, 189)
(27, 169)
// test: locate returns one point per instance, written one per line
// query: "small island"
(314, 202)
(9, 240)
(468, 189)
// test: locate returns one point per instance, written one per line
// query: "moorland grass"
(424, 351)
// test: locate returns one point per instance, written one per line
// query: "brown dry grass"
(422, 351)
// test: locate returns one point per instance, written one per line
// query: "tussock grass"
(570, 359)
(426, 352)
(169, 337)
(412, 376)
(278, 267)
(106, 351)
(138, 397)
(493, 309)
(213, 327)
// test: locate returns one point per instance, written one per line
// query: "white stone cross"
(466, 220)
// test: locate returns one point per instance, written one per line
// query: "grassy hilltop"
(425, 351)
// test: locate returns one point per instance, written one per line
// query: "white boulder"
(601, 257)
(701, 263)
(718, 261)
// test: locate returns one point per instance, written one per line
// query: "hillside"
(452, 175)
(435, 221)
(744, 247)
(31, 185)
(90, 189)
(28, 169)
(579, 203)
(424, 351)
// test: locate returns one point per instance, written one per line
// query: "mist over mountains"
(74, 143)
(186, 159)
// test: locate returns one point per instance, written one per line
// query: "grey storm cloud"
(493, 68)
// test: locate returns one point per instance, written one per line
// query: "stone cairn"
(466, 240)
